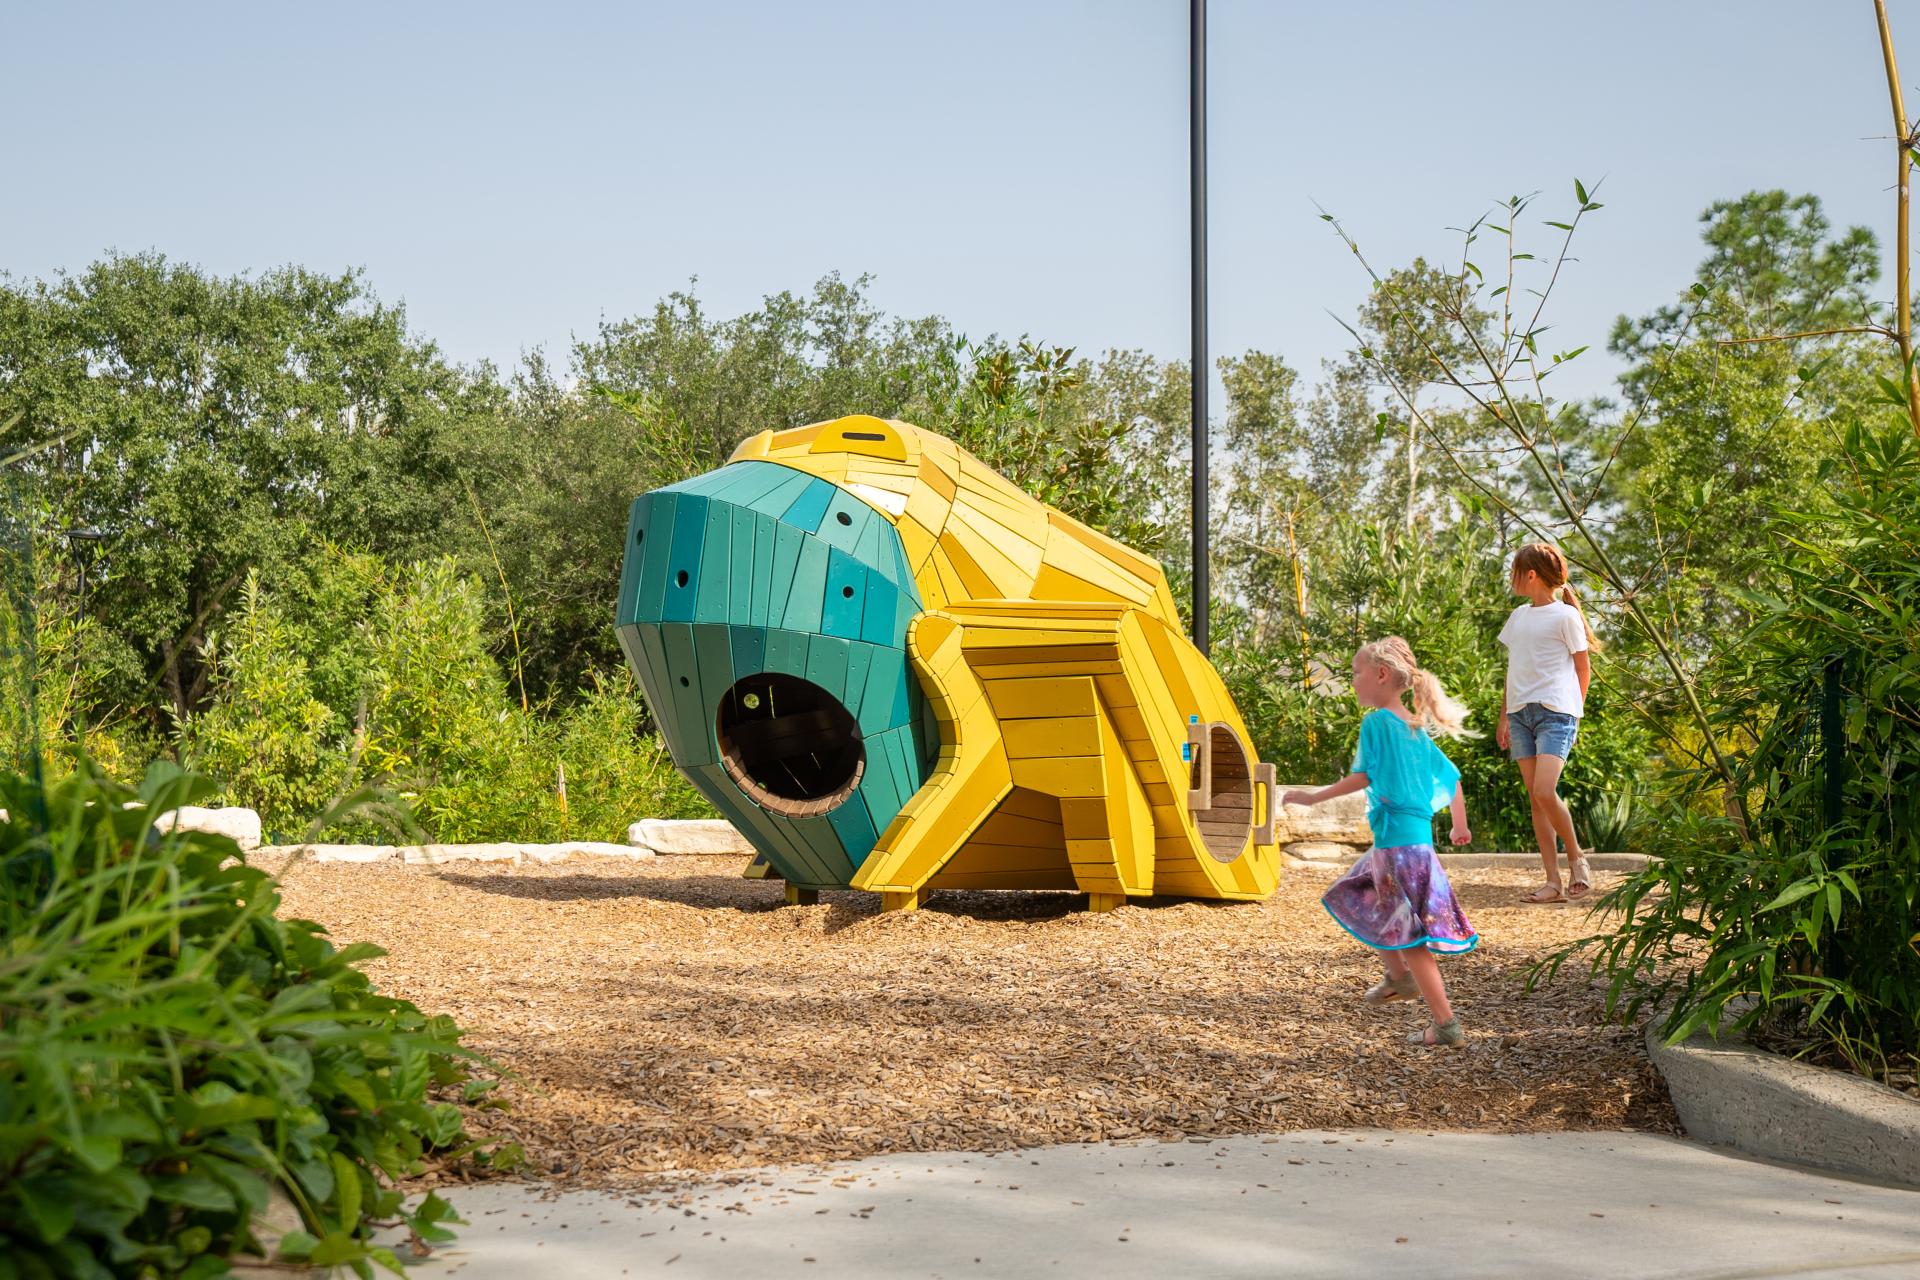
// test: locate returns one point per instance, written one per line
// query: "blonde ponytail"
(1444, 715)
(1565, 593)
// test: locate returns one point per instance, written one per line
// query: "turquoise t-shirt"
(1409, 779)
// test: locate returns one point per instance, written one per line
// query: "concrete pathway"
(1363, 1203)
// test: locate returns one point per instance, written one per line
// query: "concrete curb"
(1730, 1093)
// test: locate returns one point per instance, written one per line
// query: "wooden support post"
(907, 901)
(798, 897)
(1106, 901)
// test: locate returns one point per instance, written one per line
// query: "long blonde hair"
(1442, 713)
(1550, 563)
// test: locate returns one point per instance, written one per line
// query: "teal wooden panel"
(854, 826)
(846, 518)
(823, 841)
(632, 559)
(786, 555)
(766, 532)
(827, 664)
(749, 651)
(683, 563)
(716, 565)
(804, 512)
(887, 677)
(859, 658)
(790, 856)
(912, 770)
(787, 651)
(905, 610)
(867, 549)
(688, 731)
(654, 552)
(844, 596)
(926, 731)
(654, 680)
(776, 500)
(881, 782)
(740, 566)
(802, 611)
(879, 615)
(712, 645)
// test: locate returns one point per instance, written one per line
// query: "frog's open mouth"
(789, 744)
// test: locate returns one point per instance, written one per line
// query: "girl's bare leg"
(1392, 962)
(1433, 988)
(1543, 829)
(1543, 787)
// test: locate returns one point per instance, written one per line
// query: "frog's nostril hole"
(681, 577)
(843, 517)
(847, 592)
(684, 682)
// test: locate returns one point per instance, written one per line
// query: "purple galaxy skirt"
(1398, 898)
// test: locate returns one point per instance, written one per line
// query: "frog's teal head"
(765, 612)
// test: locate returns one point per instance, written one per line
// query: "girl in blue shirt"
(1397, 899)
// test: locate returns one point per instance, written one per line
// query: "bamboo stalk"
(1903, 146)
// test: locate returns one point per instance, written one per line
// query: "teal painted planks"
(879, 615)
(774, 503)
(845, 593)
(632, 559)
(692, 736)
(802, 611)
(716, 565)
(653, 552)
(766, 532)
(713, 647)
(659, 696)
(749, 651)
(854, 825)
(791, 857)
(786, 555)
(740, 566)
(683, 563)
(787, 651)
(827, 664)
(886, 681)
(804, 512)
(823, 840)
(845, 520)
(859, 658)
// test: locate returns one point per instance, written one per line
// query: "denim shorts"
(1541, 731)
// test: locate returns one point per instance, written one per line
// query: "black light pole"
(1202, 587)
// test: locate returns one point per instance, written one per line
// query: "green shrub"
(1806, 926)
(173, 1054)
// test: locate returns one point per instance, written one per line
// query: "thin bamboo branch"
(1903, 254)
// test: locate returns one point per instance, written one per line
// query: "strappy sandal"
(1579, 877)
(1389, 989)
(1438, 1034)
(1546, 895)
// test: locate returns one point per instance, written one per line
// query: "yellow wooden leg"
(907, 901)
(1106, 901)
(798, 897)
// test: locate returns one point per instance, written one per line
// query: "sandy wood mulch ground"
(670, 1017)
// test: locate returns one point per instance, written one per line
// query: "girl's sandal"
(1545, 895)
(1579, 877)
(1434, 1035)
(1388, 989)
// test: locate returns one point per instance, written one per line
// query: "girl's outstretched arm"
(1462, 834)
(1583, 667)
(1345, 787)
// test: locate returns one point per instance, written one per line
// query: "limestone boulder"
(1339, 821)
(1324, 851)
(692, 836)
(242, 826)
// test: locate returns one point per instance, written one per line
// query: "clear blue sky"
(515, 173)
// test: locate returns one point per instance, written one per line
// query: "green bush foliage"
(420, 709)
(1806, 926)
(173, 1054)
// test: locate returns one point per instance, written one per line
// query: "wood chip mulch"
(669, 1018)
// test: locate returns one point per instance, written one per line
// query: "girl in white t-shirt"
(1548, 642)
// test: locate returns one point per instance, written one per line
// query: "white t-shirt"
(1541, 641)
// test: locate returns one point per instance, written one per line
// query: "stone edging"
(648, 838)
(1728, 1092)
